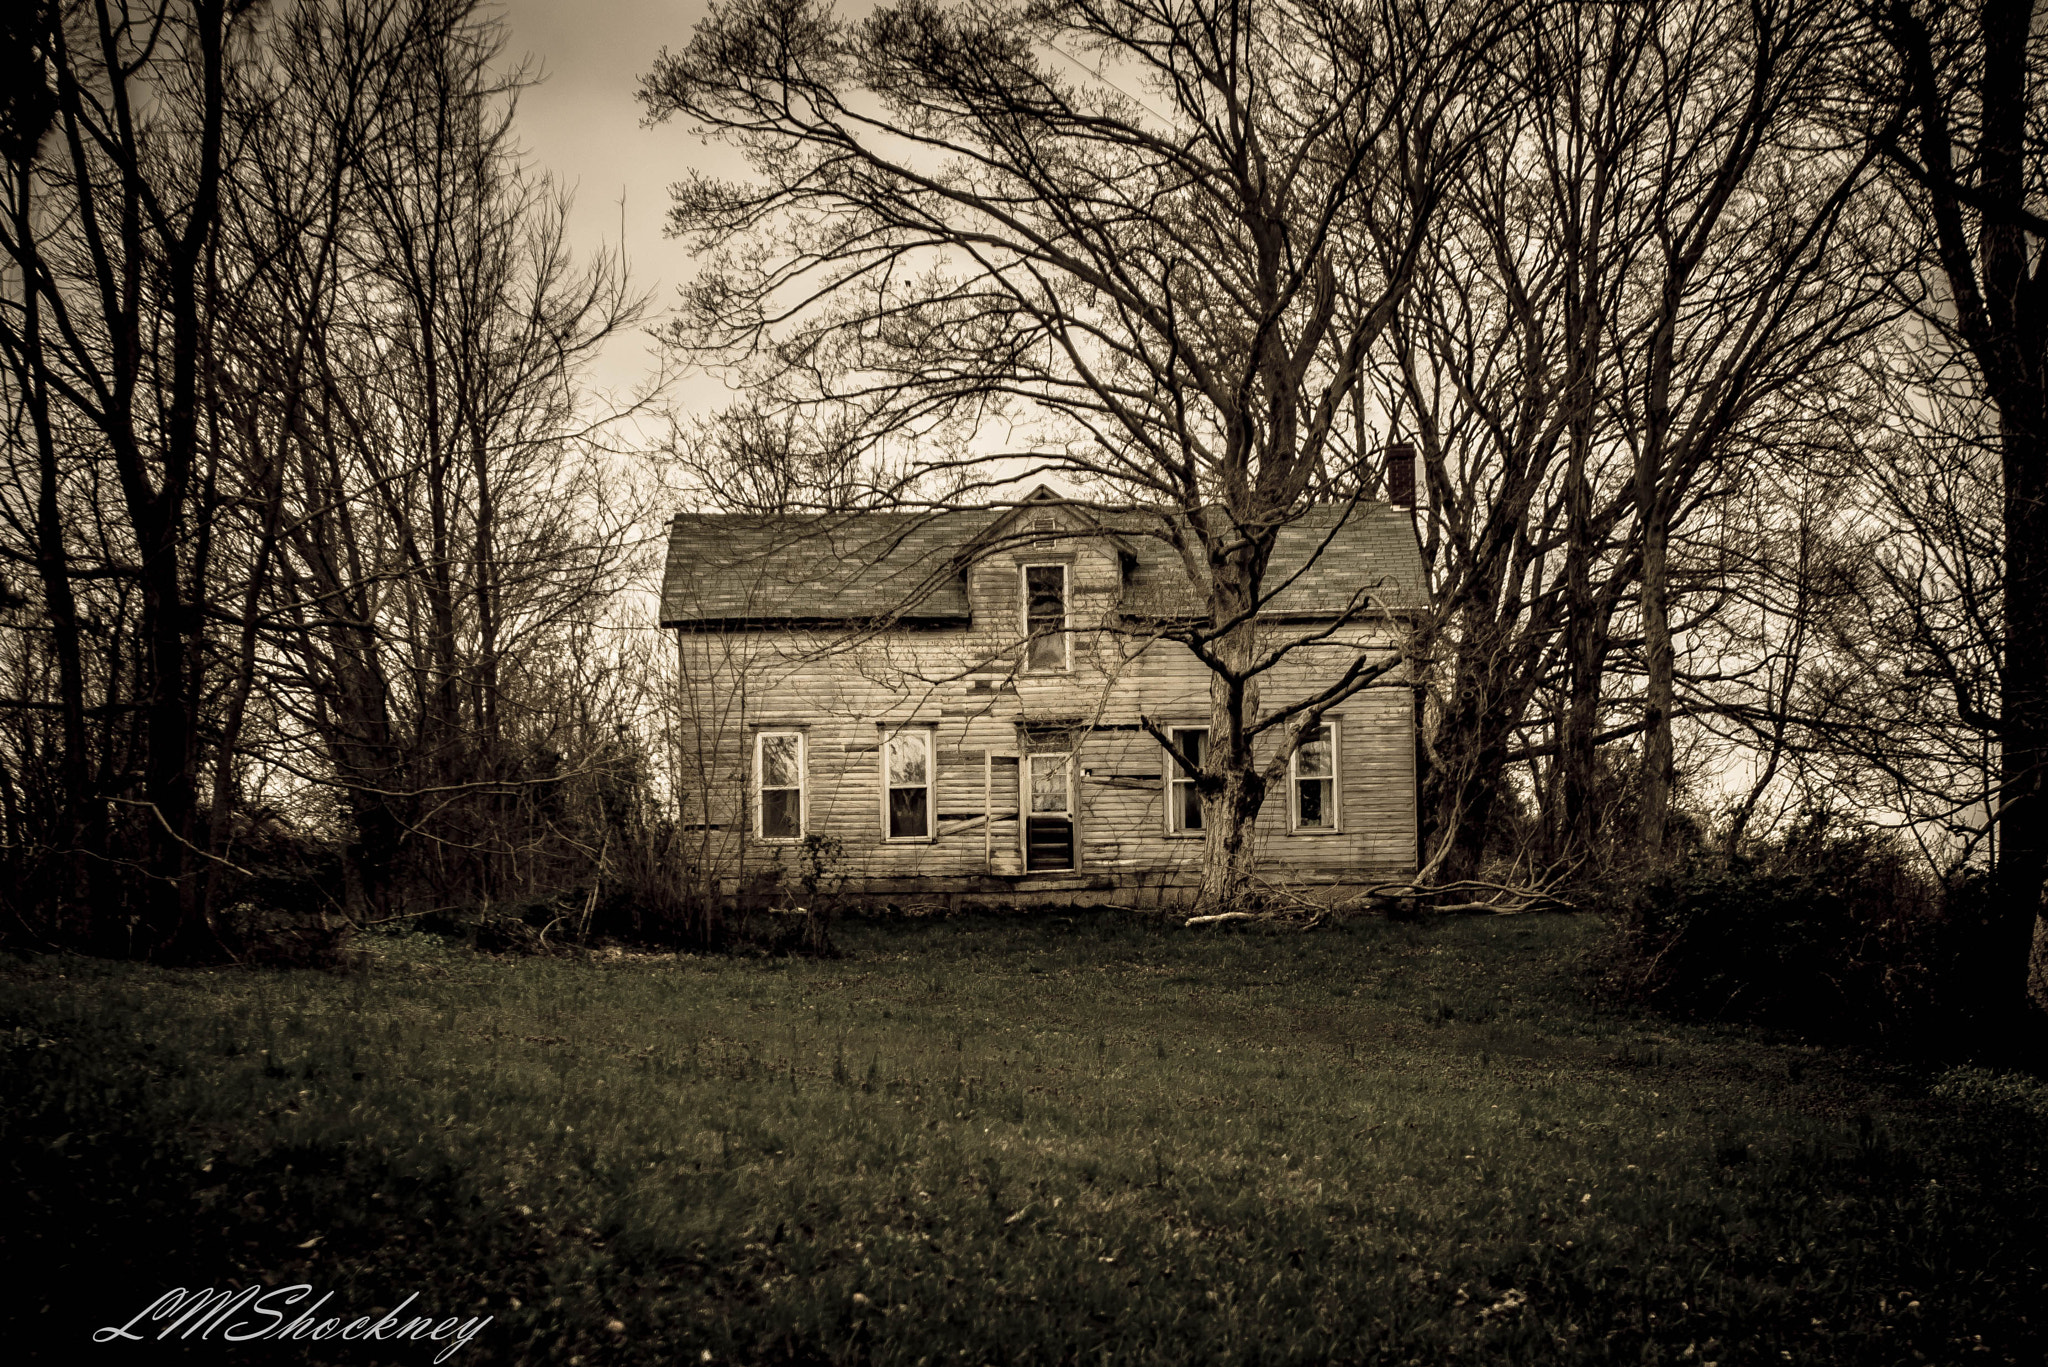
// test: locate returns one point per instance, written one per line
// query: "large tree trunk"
(1584, 636)
(1576, 748)
(1464, 778)
(2016, 362)
(173, 626)
(1492, 687)
(1998, 309)
(1230, 805)
(53, 565)
(1230, 820)
(1659, 769)
(2001, 973)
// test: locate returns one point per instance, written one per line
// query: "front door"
(1049, 812)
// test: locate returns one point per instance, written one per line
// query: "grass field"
(1083, 1139)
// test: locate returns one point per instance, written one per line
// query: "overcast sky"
(582, 124)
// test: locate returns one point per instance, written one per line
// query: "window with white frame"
(779, 785)
(907, 786)
(1312, 780)
(1045, 617)
(1183, 800)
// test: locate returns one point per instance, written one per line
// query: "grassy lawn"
(1031, 1140)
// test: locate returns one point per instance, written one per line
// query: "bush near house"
(1832, 929)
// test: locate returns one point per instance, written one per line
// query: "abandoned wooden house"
(949, 702)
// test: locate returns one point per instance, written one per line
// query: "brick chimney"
(1401, 475)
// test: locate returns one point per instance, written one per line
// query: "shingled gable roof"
(735, 569)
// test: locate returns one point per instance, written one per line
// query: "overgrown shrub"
(263, 934)
(273, 902)
(1831, 930)
(784, 909)
(1523, 825)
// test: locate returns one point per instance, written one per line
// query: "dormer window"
(1045, 618)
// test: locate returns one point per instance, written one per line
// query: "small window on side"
(1183, 801)
(779, 785)
(907, 782)
(1313, 781)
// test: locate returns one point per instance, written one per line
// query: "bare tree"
(1628, 298)
(1499, 357)
(296, 455)
(1753, 308)
(446, 533)
(1957, 114)
(1893, 603)
(1162, 240)
(114, 198)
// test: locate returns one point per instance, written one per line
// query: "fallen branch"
(1275, 916)
(1490, 908)
(1507, 899)
(1494, 899)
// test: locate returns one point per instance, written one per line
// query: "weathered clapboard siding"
(844, 691)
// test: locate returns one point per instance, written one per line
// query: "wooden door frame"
(1024, 760)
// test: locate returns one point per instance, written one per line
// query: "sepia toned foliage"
(1956, 111)
(315, 560)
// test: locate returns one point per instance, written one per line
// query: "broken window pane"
(908, 760)
(781, 813)
(909, 814)
(1049, 783)
(1045, 616)
(778, 781)
(1315, 786)
(1186, 808)
(780, 766)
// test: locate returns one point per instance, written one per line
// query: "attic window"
(1044, 526)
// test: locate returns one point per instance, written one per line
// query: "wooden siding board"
(794, 678)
